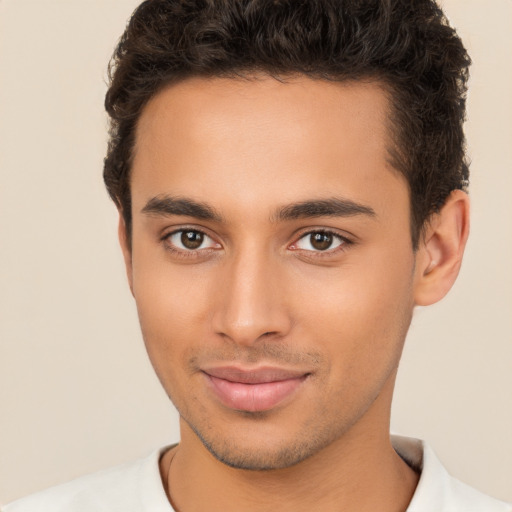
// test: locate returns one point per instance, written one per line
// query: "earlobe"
(440, 253)
(126, 249)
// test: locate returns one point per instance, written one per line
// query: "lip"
(253, 390)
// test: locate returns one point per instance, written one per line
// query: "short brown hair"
(406, 45)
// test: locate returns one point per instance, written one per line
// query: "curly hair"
(407, 45)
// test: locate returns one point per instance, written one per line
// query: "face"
(271, 261)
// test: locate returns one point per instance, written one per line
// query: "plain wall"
(77, 392)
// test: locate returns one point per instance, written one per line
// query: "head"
(288, 176)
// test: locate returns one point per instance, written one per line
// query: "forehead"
(267, 109)
(264, 139)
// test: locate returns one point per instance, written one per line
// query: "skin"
(257, 292)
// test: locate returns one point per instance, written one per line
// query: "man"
(290, 178)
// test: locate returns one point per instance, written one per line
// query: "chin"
(270, 453)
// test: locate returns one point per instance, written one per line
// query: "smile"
(253, 390)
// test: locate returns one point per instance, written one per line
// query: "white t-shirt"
(137, 487)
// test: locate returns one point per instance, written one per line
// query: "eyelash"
(180, 253)
(344, 243)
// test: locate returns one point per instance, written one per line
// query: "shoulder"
(467, 498)
(124, 488)
(437, 489)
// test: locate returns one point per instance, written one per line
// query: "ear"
(126, 248)
(439, 255)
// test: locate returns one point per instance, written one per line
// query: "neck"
(360, 472)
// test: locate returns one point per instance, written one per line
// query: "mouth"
(254, 390)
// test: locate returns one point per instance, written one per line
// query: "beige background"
(76, 390)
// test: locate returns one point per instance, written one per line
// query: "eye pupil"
(192, 239)
(321, 241)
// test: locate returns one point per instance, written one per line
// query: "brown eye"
(318, 241)
(321, 241)
(192, 239)
(188, 240)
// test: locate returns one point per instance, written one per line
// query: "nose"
(251, 303)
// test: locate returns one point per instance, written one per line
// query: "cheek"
(172, 305)
(359, 315)
(172, 318)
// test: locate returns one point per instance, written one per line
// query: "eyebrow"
(333, 207)
(169, 205)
